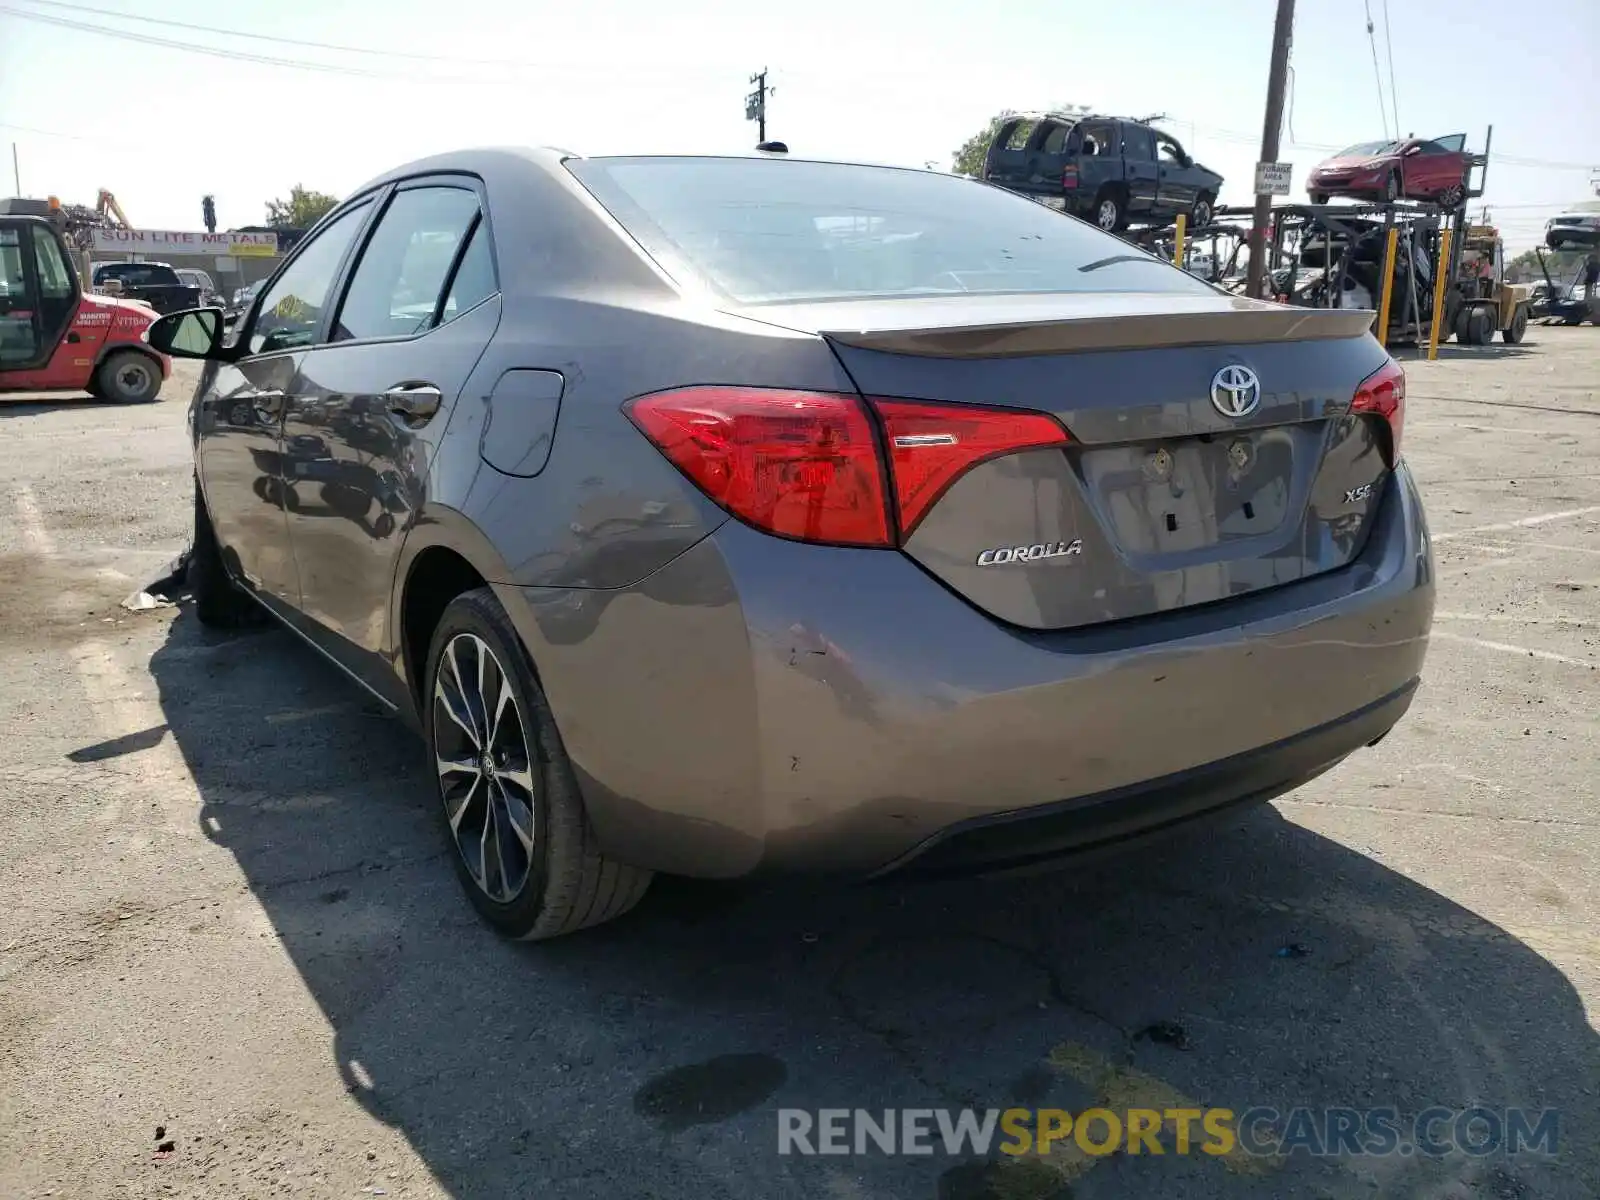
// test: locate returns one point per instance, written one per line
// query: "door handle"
(413, 401)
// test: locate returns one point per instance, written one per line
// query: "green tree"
(301, 210)
(1524, 268)
(968, 160)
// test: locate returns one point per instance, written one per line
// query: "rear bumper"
(764, 705)
(1090, 824)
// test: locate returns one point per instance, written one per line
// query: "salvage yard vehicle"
(54, 337)
(1489, 305)
(1109, 170)
(1572, 229)
(154, 283)
(760, 514)
(1410, 169)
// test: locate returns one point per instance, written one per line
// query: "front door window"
(291, 312)
(19, 331)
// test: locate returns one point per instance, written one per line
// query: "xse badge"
(1039, 550)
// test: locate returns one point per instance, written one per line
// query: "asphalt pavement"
(235, 961)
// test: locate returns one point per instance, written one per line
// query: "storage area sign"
(172, 241)
(1272, 179)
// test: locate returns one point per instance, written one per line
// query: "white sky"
(884, 80)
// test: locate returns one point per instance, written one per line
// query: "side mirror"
(192, 333)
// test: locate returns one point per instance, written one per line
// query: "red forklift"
(54, 334)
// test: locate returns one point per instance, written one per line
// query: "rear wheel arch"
(434, 577)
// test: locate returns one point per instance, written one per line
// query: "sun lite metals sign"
(168, 241)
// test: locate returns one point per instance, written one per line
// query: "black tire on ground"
(1109, 213)
(1462, 327)
(1393, 188)
(1203, 207)
(217, 601)
(128, 377)
(566, 884)
(1481, 324)
(1513, 333)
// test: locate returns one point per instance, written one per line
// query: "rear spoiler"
(1117, 331)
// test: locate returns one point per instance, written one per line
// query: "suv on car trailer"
(1109, 170)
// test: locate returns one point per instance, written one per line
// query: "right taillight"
(809, 466)
(1383, 394)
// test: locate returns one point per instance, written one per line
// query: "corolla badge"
(1235, 391)
(1034, 553)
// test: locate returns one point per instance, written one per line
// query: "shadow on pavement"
(1259, 964)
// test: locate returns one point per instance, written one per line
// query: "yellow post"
(1177, 252)
(1388, 287)
(1439, 282)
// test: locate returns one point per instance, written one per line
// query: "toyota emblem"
(1235, 391)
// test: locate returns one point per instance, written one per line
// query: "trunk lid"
(1165, 498)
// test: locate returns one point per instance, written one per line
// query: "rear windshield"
(137, 274)
(775, 230)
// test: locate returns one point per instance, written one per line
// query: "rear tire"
(1514, 332)
(1393, 187)
(218, 602)
(1319, 197)
(509, 784)
(129, 377)
(1452, 196)
(1201, 216)
(1109, 213)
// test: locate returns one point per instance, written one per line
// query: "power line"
(285, 41)
(1377, 76)
(1388, 43)
(303, 64)
(214, 51)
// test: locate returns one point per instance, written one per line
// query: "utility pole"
(16, 171)
(755, 104)
(1271, 129)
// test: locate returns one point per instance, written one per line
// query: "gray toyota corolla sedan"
(728, 515)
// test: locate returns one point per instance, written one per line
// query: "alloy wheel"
(1107, 217)
(486, 767)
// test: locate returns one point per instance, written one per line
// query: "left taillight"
(809, 465)
(802, 465)
(1383, 394)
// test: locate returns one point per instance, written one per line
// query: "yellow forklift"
(1488, 303)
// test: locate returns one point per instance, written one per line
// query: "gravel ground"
(236, 963)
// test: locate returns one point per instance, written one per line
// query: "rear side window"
(474, 280)
(1138, 142)
(770, 231)
(396, 287)
(1056, 140)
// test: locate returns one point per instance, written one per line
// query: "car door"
(1435, 165)
(240, 411)
(372, 402)
(23, 345)
(1175, 182)
(1095, 149)
(1140, 169)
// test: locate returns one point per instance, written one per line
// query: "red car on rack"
(1411, 169)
